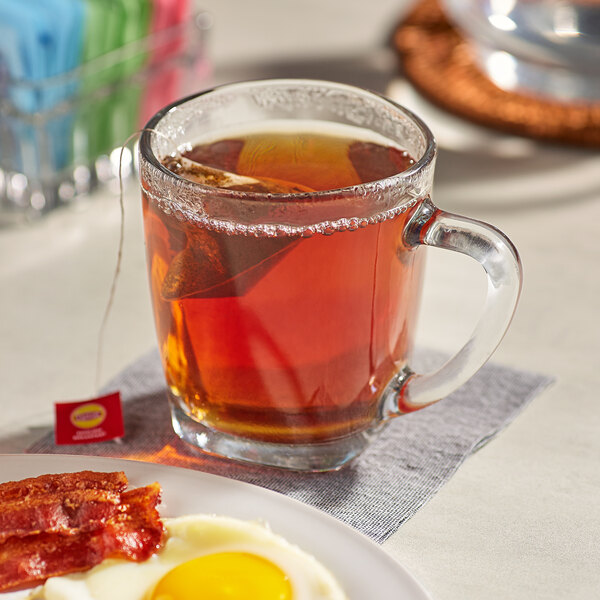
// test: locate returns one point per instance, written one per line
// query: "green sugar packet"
(107, 113)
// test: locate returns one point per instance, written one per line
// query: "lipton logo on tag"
(87, 416)
(89, 421)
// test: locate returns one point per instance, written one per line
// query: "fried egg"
(208, 557)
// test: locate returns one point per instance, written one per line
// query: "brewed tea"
(283, 338)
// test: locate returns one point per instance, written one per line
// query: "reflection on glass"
(542, 47)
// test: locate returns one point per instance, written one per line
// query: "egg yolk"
(224, 576)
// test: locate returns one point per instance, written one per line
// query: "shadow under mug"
(285, 321)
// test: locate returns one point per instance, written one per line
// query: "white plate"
(364, 570)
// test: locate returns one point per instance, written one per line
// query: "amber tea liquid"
(286, 339)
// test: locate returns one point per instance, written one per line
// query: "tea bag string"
(117, 271)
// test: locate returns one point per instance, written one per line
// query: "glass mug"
(285, 309)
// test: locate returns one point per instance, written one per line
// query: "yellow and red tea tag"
(89, 421)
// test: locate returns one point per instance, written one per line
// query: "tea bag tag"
(89, 421)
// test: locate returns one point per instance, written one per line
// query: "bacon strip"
(80, 511)
(30, 560)
(137, 531)
(134, 533)
(59, 503)
(60, 483)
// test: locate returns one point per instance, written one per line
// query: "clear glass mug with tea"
(284, 225)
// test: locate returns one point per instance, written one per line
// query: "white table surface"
(521, 518)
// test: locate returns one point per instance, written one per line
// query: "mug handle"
(430, 226)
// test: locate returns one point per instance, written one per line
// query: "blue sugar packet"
(67, 18)
(40, 41)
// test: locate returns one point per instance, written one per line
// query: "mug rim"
(147, 153)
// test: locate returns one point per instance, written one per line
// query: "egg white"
(190, 537)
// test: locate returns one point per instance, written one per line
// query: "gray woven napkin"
(404, 467)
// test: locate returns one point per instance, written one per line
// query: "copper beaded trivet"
(439, 64)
